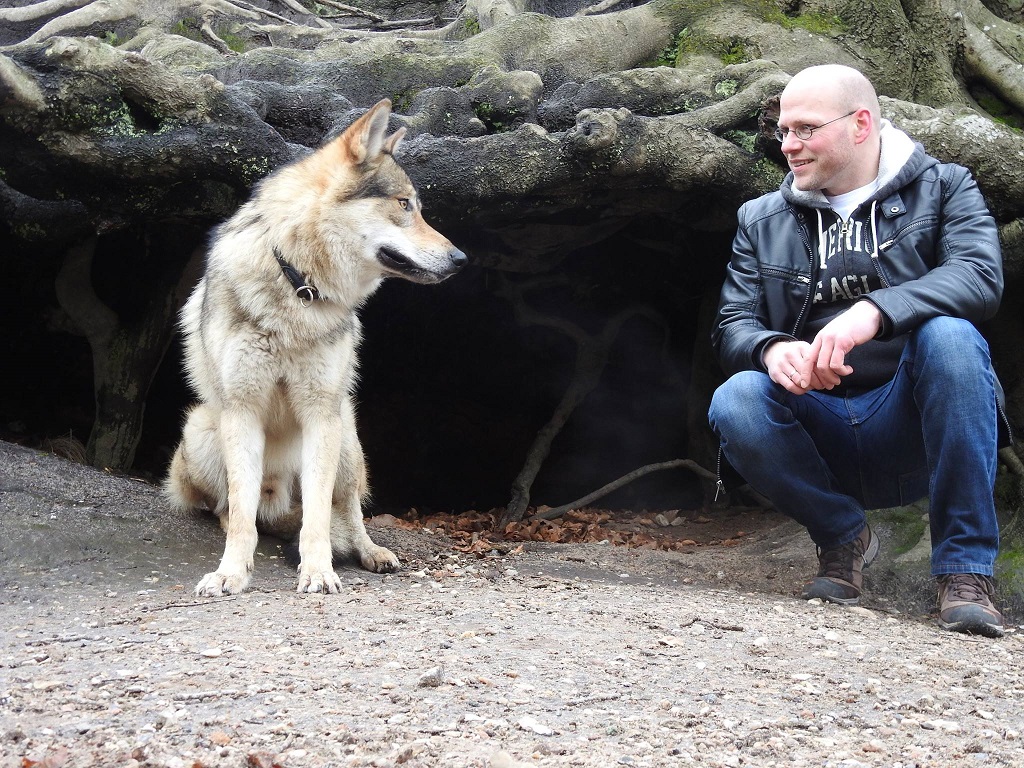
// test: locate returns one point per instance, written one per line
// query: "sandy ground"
(550, 655)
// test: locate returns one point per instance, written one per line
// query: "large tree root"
(125, 355)
(591, 358)
(604, 490)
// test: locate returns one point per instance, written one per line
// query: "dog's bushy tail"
(179, 493)
(195, 479)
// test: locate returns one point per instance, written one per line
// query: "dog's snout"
(458, 258)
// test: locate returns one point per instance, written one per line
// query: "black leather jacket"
(937, 255)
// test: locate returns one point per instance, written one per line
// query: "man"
(857, 377)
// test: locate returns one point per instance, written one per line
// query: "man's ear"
(864, 123)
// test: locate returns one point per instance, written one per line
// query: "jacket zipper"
(875, 257)
(719, 485)
(909, 228)
(999, 410)
(801, 278)
(878, 270)
(876, 260)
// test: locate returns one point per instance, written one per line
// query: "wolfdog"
(271, 334)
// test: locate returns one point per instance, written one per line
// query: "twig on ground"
(551, 514)
(190, 604)
(595, 699)
(206, 695)
(726, 627)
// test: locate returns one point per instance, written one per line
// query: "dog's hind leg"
(348, 534)
(196, 478)
(243, 440)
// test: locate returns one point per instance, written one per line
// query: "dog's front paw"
(318, 580)
(221, 583)
(379, 559)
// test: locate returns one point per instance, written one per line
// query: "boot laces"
(968, 587)
(838, 563)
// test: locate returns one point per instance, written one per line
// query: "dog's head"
(370, 208)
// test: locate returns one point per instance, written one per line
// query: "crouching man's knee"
(949, 347)
(739, 403)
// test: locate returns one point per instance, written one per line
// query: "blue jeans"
(823, 459)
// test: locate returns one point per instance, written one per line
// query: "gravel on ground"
(547, 655)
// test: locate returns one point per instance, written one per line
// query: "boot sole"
(975, 627)
(837, 600)
(869, 555)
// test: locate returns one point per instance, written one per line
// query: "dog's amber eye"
(404, 202)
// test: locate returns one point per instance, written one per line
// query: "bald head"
(837, 86)
(836, 109)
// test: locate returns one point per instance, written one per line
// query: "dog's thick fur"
(273, 439)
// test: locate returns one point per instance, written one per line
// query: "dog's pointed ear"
(364, 140)
(392, 141)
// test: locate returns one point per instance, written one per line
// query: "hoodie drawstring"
(874, 232)
(821, 240)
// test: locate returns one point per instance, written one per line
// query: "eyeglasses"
(804, 131)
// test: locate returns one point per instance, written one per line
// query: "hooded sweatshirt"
(846, 250)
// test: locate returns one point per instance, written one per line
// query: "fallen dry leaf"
(475, 532)
(262, 760)
(54, 759)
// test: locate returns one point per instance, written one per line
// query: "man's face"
(826, 161)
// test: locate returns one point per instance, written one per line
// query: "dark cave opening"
(452, 389)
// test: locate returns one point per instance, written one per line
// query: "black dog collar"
(306, 292)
